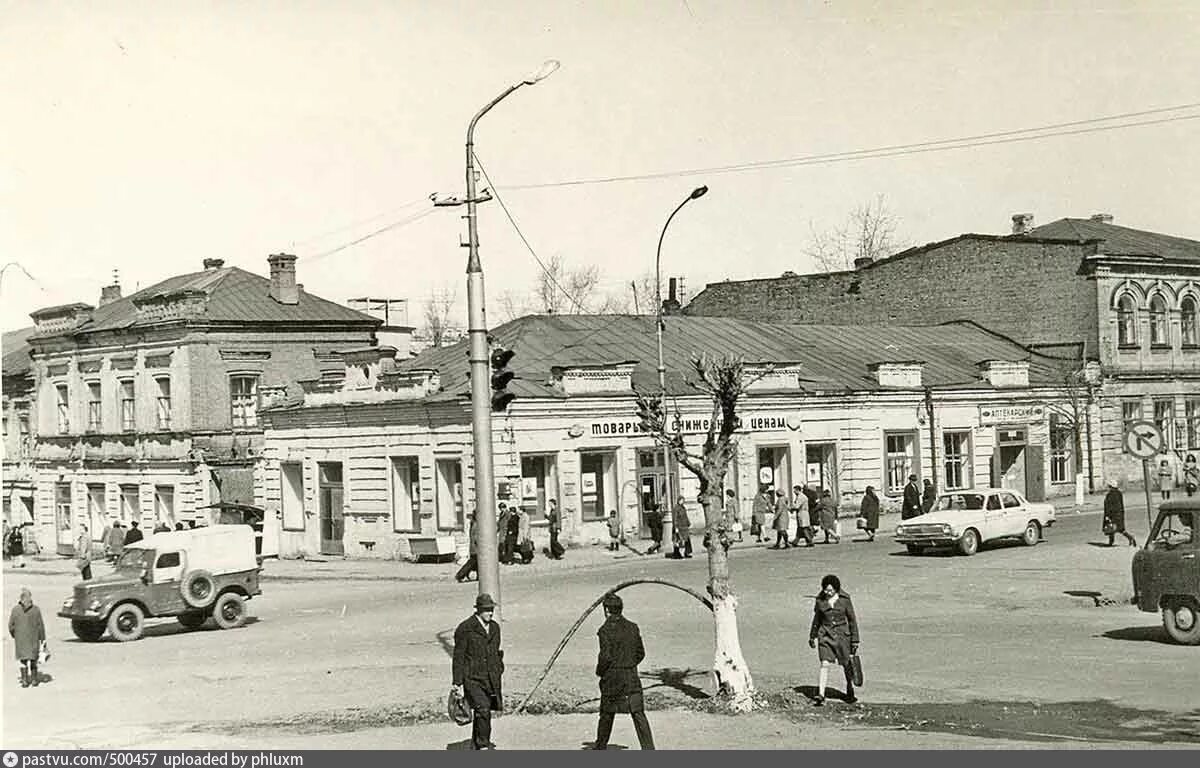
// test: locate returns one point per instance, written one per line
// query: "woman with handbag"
(869, 513)
(27, 629)
(834, 633)
(1114, 515)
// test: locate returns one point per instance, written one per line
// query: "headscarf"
(26, 598)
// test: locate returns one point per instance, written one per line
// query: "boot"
(35, 678)
(850, 697)
(24, 675)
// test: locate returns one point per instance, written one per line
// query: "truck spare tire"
(198, 589)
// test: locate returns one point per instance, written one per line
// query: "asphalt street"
(1014, 646)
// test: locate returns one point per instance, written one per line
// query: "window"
(94, 424)
(1164, 418)
(1062, 465)
(1131, 411)
(23, 434)
(164, 504)
(1159, 336)
(597, 484)
(1191, 409)
(126, 402)
(1126, 322)
(449, 494)
(243, 396)
(1187, 322)
(291, 499)
(130, 506)
(1009, 501)
(62, 506)
(163, 400)
(539, 483)
(168, 560)
(957, 449)
(900, 460)
(993, 502)
(406, 494)
(64, 408)
(96, 512)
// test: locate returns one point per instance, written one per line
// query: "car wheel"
(87, 631)
(915, 549)
(198, 589)
(192, 619)
(1182, 622)
(126, 623)
(969, 543)
(230, 611)
(1032, 535)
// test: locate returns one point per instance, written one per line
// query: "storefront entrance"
(65, 542)
(1018, 465)
(774, 469)
(329, 493)
(820, 461)
(652, 487)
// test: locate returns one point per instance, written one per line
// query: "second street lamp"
(667, 520)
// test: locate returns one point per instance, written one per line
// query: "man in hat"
(621, 651)
(478, 667)
(912, 499)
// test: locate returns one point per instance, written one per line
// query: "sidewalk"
(344, 569)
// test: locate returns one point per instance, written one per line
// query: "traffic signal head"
(501, 376)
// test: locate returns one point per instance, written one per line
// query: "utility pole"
(933, 470)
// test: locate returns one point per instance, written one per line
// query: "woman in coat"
(27, 629)
(834, 633)
(1114, 515)
(799, 507)
(762, 507)
(827, 508)
(870, 512)
(780, 524)
(1166, 479)
(524, 546)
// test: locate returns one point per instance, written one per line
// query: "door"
(1013, 520)
(329, 492)
(993, 517)
(65, 541)
(1035, 473)
(165, 596)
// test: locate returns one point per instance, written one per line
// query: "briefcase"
(856, 673)
(458, 709)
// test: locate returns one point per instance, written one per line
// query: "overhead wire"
(394, 225)
(360, 222)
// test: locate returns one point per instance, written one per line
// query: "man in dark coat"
(928, 497)
(683, 530)
(506, 554)
(621, 651)
(134, 534)
(912, 499)
(27, 629)
(478, 667)
(870, 512)
(1114, 515)
(653, 518)
(555, 521)
(472, 564)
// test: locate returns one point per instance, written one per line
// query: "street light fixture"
(481, 407)
(696, 194)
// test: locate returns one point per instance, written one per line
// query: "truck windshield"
(135, 559)
(1173, 529)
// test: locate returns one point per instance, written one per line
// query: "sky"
(145, 137)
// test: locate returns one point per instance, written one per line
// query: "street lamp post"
(667, 519)
(481, 406)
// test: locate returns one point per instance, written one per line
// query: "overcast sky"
(145, 137)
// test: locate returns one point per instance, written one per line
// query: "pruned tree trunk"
(730, 670)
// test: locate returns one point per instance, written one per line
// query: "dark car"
(1166, 574)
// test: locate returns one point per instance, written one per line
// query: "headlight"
(95, 605)
(70, 601)
(947, 528)
(900, 530)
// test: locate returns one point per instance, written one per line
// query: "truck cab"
(1166, 572)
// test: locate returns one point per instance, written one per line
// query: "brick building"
(1121, 298)
(15, 404)
(382, 464)
(146, 405)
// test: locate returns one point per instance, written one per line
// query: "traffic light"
(501, 376)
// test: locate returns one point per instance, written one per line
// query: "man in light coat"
(83, 552)
(799, 507)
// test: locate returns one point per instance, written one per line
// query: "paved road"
(997, 630)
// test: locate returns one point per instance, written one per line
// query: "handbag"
(1108, 527)
(856, 673)
(457, 708)
(860, 523)
(737, 526)
(43, 654)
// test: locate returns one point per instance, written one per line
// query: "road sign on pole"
(1144, 440)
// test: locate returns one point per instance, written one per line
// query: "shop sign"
(694, 426)
(1010, 414)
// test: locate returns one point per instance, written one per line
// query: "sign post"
(1144, 440)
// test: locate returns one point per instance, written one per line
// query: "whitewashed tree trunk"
(730, 670)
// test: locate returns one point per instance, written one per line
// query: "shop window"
(243, 398)
(406, 494)
(449, 494)
(125, 403)
(597, 485)
(1191, 409)
(1126, 321)
(1164, 417)
(539, 482)
(1062, 469)
(774, 468)
(900, 460)
(163, 402)
(1159, 335)
(956, 447)
(130, 506)
(291, 496)
(94, 423)
(63, 403)
(1187, 322)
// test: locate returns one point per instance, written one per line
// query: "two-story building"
(147, 405)
(1123, 299)
(384, 459)
(16, 405)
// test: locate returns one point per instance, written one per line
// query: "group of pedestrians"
(1167, 477)
(815, 514)
(514, 531)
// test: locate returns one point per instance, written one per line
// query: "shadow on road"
(463, 745)
(810, 692)
(677, 679)
(1154, 634)
(592, 745)
(445, 638)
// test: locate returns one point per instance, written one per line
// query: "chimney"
(1022, 223)
(213, 264)
(863, 261)
(110, 293)
(671, 303)
(283, 278)
(1102, 218)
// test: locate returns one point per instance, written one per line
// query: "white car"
(966, 519)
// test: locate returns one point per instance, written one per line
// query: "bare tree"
(438, 310)
(724, 380)
(869, 231)
(510, 305)
(560, 288)
(1070, 409)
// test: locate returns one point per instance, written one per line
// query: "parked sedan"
(966, 519)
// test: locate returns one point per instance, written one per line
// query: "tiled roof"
(831, 357)
(232, 295)
(16, 352)
(1121, 241)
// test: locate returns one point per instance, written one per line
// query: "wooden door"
(329, 485)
